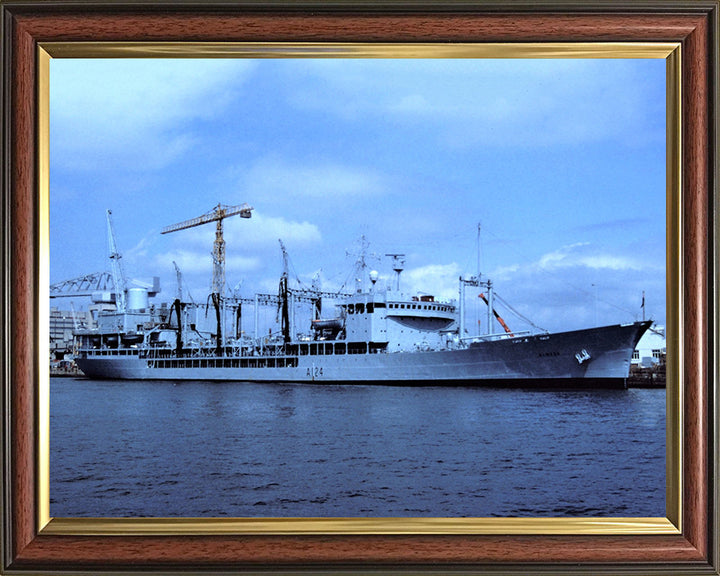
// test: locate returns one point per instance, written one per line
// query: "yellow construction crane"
(217, 214)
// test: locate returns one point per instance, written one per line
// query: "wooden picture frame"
(690, 545)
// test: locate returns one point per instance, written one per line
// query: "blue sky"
(561, 161)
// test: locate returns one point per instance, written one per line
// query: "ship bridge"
(409, 323)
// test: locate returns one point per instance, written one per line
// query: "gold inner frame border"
(671, 524)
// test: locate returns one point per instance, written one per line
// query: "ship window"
(351, 309)
(360, 308)
(370, 308)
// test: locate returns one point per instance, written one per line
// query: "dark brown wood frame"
(694, 24)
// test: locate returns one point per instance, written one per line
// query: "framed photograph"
(445, 154)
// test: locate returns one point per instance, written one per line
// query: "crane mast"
(118, 273)
(217, 215)
(178, 275)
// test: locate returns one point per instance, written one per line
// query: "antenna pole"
(479, 280)
(461, 315)
(478, 251)
(643, 305)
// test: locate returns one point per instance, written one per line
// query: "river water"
(171, 449)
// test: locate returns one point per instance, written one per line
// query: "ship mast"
(398, 265)
(477, 282)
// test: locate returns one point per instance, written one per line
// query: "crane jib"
(220, 212)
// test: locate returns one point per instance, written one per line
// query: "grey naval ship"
(374, 335)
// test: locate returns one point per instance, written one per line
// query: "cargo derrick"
(499, 318)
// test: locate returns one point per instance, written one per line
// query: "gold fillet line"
(384, 526)
(285, 526)
(43, 287)
(674, 247)
(356, 50)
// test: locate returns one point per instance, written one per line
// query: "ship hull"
(596, 357)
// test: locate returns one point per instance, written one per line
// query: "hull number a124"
(314, 372)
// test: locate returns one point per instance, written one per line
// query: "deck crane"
(178, 275)
(283, 295)
(118, 273)
(217, 214)
(499, 318)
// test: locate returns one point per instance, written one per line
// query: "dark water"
(231, 449)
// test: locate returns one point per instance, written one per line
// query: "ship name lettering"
(314, 372)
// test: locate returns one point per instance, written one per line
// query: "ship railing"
(109, 351)
(496, 336)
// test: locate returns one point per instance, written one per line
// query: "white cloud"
(263, 231)
(494, 102)
(249, 235)
(440, 280)
(585, 255)
(132, 113)
(580, 285)
(505, 272)
(193, 262)
(314, 179)
(251, 249)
